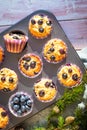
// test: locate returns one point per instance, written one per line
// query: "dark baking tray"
(49, 70)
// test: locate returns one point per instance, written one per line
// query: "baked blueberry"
(75, 77)
(40, 22)
(52, 58)
(62, 51)
(64, 76)
(33, 21)
(3, 79)
(41, 30)
(11, 80)
(41, 93)
(33, 64)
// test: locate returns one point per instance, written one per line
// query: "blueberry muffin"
(45, 90)
(1, 54)
(30, 65)
(69, 75)
(40, 26)
(55, 50)
(8, 80)
(15, 41)
(4, 118)
(20, 104)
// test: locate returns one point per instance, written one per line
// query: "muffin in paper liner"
(40, 26)
(4, 117)
(20, 104)
(45, 90)
(8, 80)
(1, 54)
(69, 75)
(15, 41)
(54, 51)
(30, 65)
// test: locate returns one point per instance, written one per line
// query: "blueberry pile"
(20, 104)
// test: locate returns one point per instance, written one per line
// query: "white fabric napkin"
(83, 55)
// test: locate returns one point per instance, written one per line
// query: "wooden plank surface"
(72, 15)
(14, 10)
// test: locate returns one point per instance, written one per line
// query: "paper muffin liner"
(79, 79)
(2, 55)
(15, 45)
(40, 36)
(5, 126)
(45, 101)
(26, 112)
(54, 62)
(25, 75)
(7, 90)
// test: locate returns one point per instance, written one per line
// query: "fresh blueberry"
(16, 100)
(27, 108)
(19, 112)
(15, 107)
(23, 108)
(29, 102)
(22, 98)
(12, 104)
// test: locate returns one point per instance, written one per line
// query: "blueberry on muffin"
(40, 26)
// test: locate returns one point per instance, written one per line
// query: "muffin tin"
(49, 70)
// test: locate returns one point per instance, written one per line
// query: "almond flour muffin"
(69, 75)
(20, 104)
(45, 90)
(30, 65)
(15, 41)
(40, 26)
(4, 118)
(54, 51)
(8, 80)
(1, 54)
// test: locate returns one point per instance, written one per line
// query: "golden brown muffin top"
(45, 90)
(55, 50)
(8, 80)
(40, 26)
(30, 65)
(69, 75)
(16, 35)
(4, 119)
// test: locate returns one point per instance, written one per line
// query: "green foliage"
(70, 96)
(39, 128)
(60, 122)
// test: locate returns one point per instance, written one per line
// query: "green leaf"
(60, 121)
